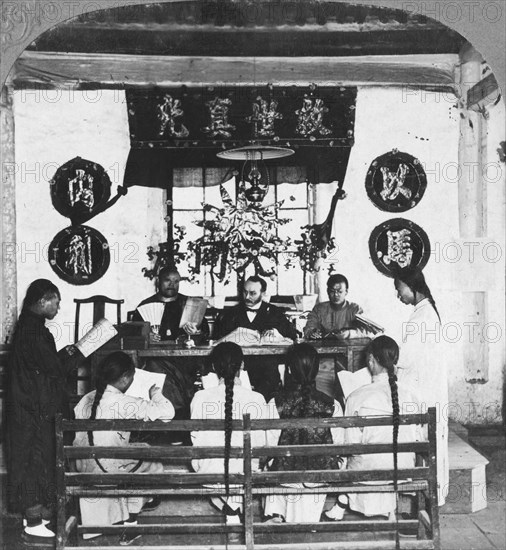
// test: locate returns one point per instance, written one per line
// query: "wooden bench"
(372, 533)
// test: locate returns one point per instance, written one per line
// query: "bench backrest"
(248, 483)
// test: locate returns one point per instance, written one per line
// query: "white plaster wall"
(53, 127)
(427, 126)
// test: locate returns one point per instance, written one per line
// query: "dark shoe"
(152, 504)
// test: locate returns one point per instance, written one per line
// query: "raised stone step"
(468, 484)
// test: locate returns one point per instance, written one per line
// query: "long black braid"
(386, 351)
(303, 364)
(226, 360)
(416, 282)
(110, 370)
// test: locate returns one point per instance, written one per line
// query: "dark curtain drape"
(182, 127)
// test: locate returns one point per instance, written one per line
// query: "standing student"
(109, 401)
(228, 401)
(422, 362)
(36, 393)
(382, 397)
(302, 401)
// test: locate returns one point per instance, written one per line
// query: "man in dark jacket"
(168, 294)
(180, 372)
(256, 314)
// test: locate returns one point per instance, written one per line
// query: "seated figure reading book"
(335, 318)
(338, 318)
(271, 324)
(180, 372)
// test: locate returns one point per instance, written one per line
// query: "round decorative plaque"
(399, 245)
(80, 188)
(395, 182)
(79, 255)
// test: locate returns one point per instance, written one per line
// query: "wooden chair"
(82, 379)
(98, 310)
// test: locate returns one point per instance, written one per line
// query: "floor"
(483, 530)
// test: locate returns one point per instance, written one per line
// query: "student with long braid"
(109, 401)
(382, 397)
(302, 400)
(422, 362)
(228, 401)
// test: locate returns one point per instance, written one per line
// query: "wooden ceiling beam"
(259, 42)
(76, 71)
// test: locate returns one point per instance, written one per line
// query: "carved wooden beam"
(75, 71)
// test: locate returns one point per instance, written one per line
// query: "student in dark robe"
(36, 393)
(256, 314)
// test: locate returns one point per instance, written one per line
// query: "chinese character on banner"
(264, 116)
(168, 113)
(310, 117)
(218, 109)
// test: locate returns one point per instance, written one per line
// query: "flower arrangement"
(310, 250)
(237, 236)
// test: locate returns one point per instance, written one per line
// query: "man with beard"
(256, 314)
(180, 372)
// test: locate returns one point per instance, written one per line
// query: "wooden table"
(351, 349)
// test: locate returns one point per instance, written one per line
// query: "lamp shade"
(255, 152)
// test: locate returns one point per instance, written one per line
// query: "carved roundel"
(79, 255)
(80, 188)
(395, 182)
(399, 245)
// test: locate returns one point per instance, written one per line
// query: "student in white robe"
(228, 401)
(422, 362)
(302, 400)
(382, 397)
(114, 376)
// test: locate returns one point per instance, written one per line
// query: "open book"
(143, 380)
(193, 312)
(350, 381)
(247, 337)
(366, 324)
(100, 333)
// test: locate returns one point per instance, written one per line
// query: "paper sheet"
(193, 312)
(143, 380)
(350, 381)
(100, 333)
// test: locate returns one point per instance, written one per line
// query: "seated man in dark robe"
(180, 372)
(256, 314)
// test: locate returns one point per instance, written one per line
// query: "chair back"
(98, 310)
